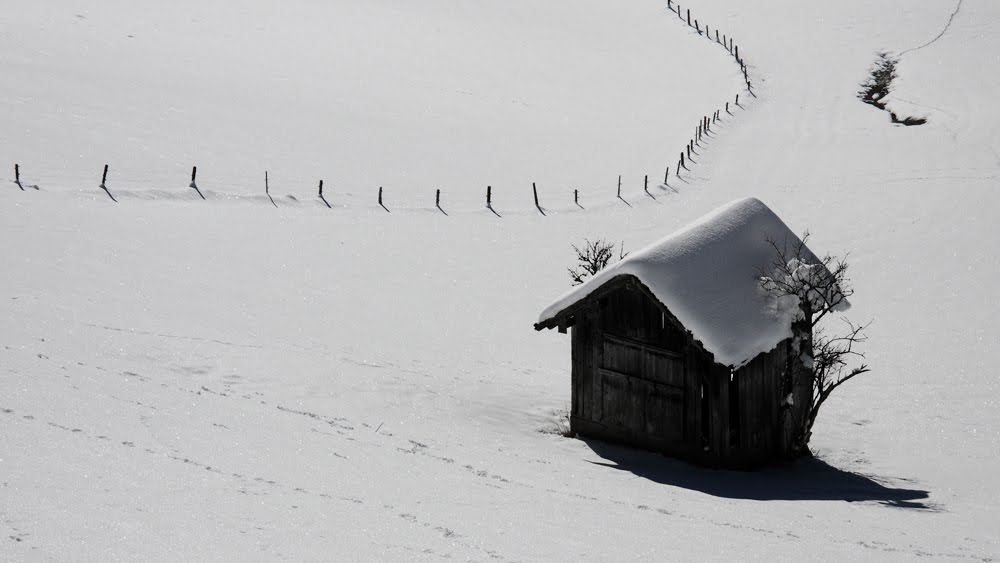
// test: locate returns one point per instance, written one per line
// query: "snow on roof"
(707, 273)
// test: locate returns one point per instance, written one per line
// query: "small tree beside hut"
(828, 361)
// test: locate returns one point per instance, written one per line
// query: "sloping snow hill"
(230, 379)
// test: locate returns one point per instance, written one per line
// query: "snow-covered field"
(226, 379)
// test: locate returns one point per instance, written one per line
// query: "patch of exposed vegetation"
(877, 86)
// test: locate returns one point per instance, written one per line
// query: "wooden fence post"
(716, 35)
(682, 160)
(737, 53)
(666, 174)
(534, 190)
(576, 197)
(737, 99)
(382, 205)
(727, 108)
(689, 17)
(17, 176)
(267, 189)
(619, 185)
(645, 186)
(489, 196)
(103, 186)
(194, 184)
(696, 26)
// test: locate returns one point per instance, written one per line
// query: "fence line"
(700, 132)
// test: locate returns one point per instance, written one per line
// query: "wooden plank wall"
(630, 363)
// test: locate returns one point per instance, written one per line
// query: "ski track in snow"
(244, 483)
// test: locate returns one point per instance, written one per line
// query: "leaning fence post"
(382, 205)
(666, 174)
(534, 190)
(17, 176)
(696, 26)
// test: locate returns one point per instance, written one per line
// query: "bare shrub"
(592, 257)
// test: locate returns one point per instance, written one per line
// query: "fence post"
(17, 176)
(645, 186)
(576, 197)
(682, 160)
(696, 26)
(619, 185)
(716, 35)
(194, 184)
(103, 186)
(534, 189)
(321, 188)
(666, 174)
(489, 196)
(689, 17)
(437, 198)
(382, 205)
(267, 187)
(737, 53)
(737, 99)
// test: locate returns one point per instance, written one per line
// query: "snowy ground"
(223, 379)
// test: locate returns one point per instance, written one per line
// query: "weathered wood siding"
(640, 379)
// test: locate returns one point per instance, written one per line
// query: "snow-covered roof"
(707, 275)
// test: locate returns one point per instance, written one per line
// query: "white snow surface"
(223, 379)
(707, 274)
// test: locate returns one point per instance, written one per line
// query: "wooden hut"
(677, 349)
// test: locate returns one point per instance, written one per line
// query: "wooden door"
(642, 388)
